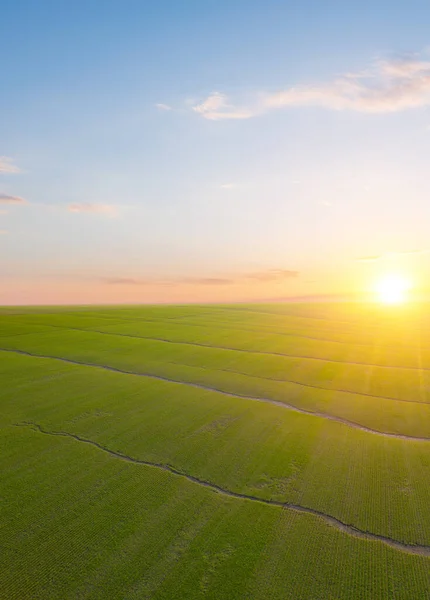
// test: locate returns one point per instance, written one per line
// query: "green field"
(247, 451)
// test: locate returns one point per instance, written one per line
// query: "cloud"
(409, 252)
(212, 105)
(272, 275)
(366, 259)
(403, 67)
(258, 277)
(124, 281)
(228, 186)
(171, 281)
(5, 199)
(7, 166)
(388, 254)
(205, 280)
(389, 87)
(3, 231)
(386, 87)
(162, 106)
(216, 107)
(99, 209)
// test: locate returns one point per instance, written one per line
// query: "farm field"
(244, 451)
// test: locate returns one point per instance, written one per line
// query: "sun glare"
(393, 289)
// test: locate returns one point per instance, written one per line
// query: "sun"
(393, 289)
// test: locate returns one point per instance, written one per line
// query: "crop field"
(248, 452)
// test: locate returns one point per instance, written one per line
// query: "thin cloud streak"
(409, 252)
(204, 281)
(124, 281)
(7, 165)
(386, 87)
(167, 282)
(271, 275)
(162, 106)
(366, 259)
(98, 209)
(388, 254)
(216, 107)
(5, 199)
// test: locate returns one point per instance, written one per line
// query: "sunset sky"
(212, 151)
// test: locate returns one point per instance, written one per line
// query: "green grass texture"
(242, 451)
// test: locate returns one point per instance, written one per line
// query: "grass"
(82, 523)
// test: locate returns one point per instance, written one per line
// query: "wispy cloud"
(5, 199)
(216, 107)
(228, 186)
(3, 232)
(378, 257)
(168, 281)
(124, 281)
(98, 209)
(367, 259)
(387, 86)
(162, 106)
(270, 275)
(408, 252)
(204, 280)
(7, 165)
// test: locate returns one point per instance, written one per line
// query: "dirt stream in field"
(332, 521)
(299, 383)
(399, 436)
(216, 347)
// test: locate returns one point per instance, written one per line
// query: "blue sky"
(166, 151)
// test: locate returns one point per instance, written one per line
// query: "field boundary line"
(285, 405)
(418, 549)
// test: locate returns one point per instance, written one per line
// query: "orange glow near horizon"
(69, 292)
(392, 287)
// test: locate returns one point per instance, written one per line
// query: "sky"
(212, 151)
